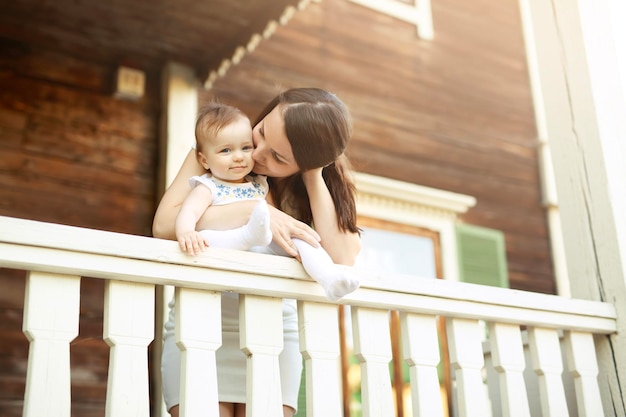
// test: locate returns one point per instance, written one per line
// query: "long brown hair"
(318, 127)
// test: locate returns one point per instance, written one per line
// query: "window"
(401, 249)
(407, 229)
(417, 12)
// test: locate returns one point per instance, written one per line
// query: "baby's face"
(229, 154)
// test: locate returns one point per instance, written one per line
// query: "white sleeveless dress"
(231, 361)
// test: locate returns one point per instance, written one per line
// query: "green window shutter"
(302, 394)
(482, 256)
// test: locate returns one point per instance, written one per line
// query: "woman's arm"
(284, 228)
(343, 247)
(163, 225)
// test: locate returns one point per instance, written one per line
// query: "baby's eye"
(248, 148)
(225, 150)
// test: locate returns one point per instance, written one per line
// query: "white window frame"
(419, 13)
(415, 205)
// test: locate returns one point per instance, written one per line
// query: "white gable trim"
(242, 50)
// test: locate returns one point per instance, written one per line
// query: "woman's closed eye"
(278, 158)
(275, 156)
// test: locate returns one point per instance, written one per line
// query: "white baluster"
(261, 328)
(51, 312)
(421, 352)
(508, 360)
(372, 346)
(545, 350)
(198, 335)
(467, 361)
(583, 365)
(319, 344)
(128, 330)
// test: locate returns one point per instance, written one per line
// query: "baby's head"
(224, 142)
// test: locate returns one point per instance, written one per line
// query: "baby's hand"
(192, 242)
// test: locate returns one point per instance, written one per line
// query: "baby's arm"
(163, 226)
(193, 207)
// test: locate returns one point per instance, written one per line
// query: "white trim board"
(419, 13)
(415, 205)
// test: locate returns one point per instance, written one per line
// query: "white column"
(319, 344)
(545, 351)
(179, 108)
(261, 333)
(198, 335)
(51, 312)
(179, 91)
(508, 360)
(467, 362)
(420, 344)
(580, 60)
(128, 330)
(581, 362)
(372, 346)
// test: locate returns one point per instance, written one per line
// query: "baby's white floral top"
(255, 188)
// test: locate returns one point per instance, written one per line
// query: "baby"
(224, 148)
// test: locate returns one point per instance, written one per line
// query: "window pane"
(395, 252)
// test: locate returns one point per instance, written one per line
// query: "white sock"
(318, 264)
(256, 232)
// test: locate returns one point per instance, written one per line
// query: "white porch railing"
(56, 256)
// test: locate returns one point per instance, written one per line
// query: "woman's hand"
(284, 228)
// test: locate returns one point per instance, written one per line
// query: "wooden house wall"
(453, 113)
(69, 153)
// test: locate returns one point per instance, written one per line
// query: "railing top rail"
(33, 245)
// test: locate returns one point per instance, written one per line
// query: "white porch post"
(179, 104)
(577, 56)
(179, 108)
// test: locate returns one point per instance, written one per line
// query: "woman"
(299, 140)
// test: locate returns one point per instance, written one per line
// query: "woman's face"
(272, 155)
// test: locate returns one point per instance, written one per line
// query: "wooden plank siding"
(454, 113)
(71, 154)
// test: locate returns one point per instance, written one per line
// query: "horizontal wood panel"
(70, 152)
(60, 203)
(71, 170)
(454, 113)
